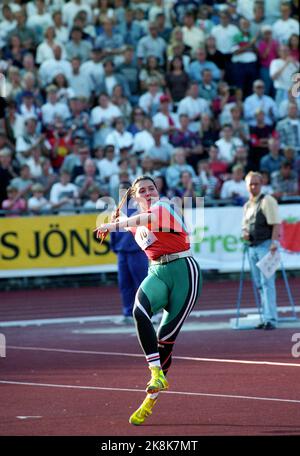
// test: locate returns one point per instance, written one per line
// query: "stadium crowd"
(193, 93)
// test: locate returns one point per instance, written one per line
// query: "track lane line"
(131, 390)
(136, 355)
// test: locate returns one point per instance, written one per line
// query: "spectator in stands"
(208, 134)
(48, 177)
(119, 137)
(7, 171)
(30, 138)
(259, 101)
(64, 91)
(8, 22)
(24, 182)
(177, 48)
(284, 27)
(110, 79)
(227, 144)
(108, 166)
(193, 106)
(267, 49)
(259, 20)
(137, 121)
(224, 34)
(259, 137)
(293, 44)
(207, 183)
(188, 189)
(13, 82)
(37, 203)
(53, 107)
(282, 71)
(35, 162)
(64, 194)
(284, 181)
(51, 67)
(14, 52)
(273, 160)
(193, 36)
(207, 87)
(213, 55)
(14, 203)
(30, 84)
(83, 155)
(25, 34)
(151, 70)
(184, 138)
(79, 83)
(178, 164)
(177, 80)
(61, 31)
(45, 48)
(218, 167)
(289, 128)
(241, 158)
(143, 140)
(102, 118)
(129, 70)
(266, 187)
(151, 44)
(165, 119)
(244, 59)
(129, 28)
(40, 20)
(13, 121)
(240, 128)
(200, 64)
(87, 180)
(79, 121)
(121, 101)
(111, 42)
(149, 101)
(235, 188)
(161, 151)
(93, 202)
(77, 46)
(161, 186)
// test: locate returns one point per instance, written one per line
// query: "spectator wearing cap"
(89, 178)
(200, 64)
(64, 194)
(165, 120)
(259, 101)
(53, 107)
(235, 188)
(149, 101)
(102, 118)
(285, 181)
(193, 106)
(14, 203)
(193, 36)
(267, 49)
(77, 47)
(119, 137)
(7, 171)
(151, 44)
(281, 72)
(284, 27)
(51, 67)
(37, 203)
(93, 69)
(110, 41)
(273, 160)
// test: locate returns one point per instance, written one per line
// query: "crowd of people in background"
(192, 93)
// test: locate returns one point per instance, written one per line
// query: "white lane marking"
(116, 319)
(185, 393)
(136, 355)
(28, 417)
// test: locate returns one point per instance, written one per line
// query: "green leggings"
(174, 288)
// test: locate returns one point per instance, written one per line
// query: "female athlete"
(173, 282)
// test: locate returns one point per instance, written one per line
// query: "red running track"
(67, 390)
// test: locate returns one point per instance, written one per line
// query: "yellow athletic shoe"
(145, 410)
(158, 381)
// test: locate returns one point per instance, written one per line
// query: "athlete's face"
(146, 194)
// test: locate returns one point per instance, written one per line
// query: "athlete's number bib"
(144, 237)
